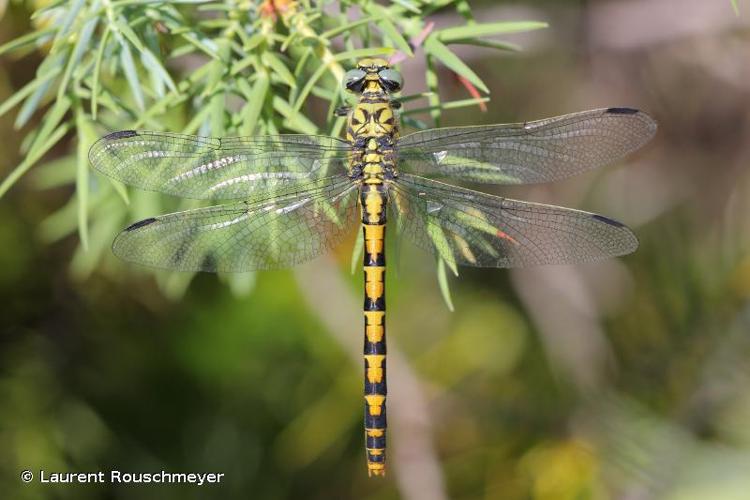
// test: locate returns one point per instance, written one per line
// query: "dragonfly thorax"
(372, 158)
(372, 131)
(372, 127)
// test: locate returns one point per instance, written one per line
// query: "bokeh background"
(626, 379)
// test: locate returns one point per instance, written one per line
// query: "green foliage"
(615, 380)
(234, 67)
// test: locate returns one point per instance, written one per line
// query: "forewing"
(525, 153)
(226, 168)
(267, 234)
(476, 229)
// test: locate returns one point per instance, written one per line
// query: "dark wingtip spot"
(120, 134)
(210, 263)
(622, 111)
(607, 220)
(140, 223)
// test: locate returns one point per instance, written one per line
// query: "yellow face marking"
(369, 62)
(375, 403)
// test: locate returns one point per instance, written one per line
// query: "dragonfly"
(289, 198)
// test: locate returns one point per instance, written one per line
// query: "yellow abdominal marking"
(374, 247)
(374, 282)
(374, 233)
(374, 468)
(374, 206)
(374, 328)
(375, 403)
(374, 373)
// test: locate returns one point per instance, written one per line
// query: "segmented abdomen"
(373, 227)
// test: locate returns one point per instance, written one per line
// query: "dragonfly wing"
(274, 233)
(476, 229)
(225, 168)
(526, 153)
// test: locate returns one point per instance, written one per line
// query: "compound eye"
(354, 80)
(391, 79)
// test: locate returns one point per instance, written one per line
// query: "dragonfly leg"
(342, 110)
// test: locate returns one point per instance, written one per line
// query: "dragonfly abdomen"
(373, 228)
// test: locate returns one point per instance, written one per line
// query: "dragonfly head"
(373, 75)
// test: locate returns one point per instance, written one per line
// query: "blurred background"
(625, 379)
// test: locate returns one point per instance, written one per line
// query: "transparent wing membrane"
(475, 229)
(281, 231)
(297, 199)
(524, 153)
(226, 168)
